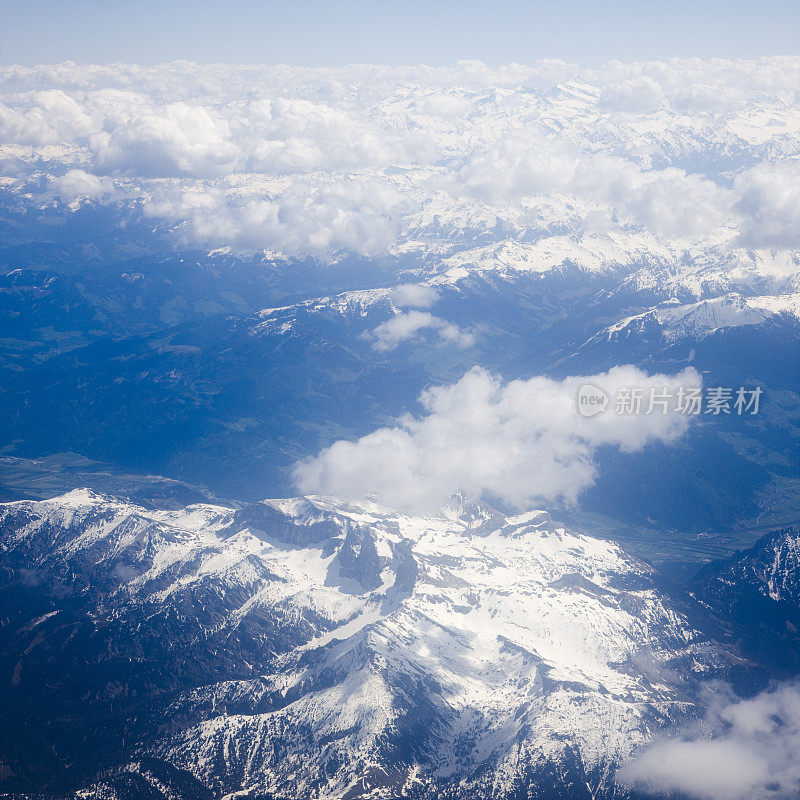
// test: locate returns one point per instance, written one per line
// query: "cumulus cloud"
(639, 95)
(417, 295)
(442, 104)
(78, 185)
(668, 201)
(49, 117)
(180, 139)
(522, 441)
(410, 324)
(377, 160)
(770, 205)
(742, 750)
(304, 217)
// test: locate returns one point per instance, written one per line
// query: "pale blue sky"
(311, 32)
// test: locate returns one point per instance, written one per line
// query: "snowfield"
(465, 648)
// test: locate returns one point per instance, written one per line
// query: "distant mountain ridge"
(757, 592)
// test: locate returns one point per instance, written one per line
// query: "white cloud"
(442, 104)
(742, 750)
(409, 324)
(49, 117)
(417, 295)
(308, 216)
(78, 185)
(179, 140)
(521, 441)
(770, 205)
(667, 202)
(639, 95)
(674, 204)
(379, 160)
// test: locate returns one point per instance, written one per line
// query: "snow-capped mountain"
(693, 321)
(220, 274)
(462, 654)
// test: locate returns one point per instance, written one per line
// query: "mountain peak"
(473, 513)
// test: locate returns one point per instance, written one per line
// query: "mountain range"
(319, 648)
(224, 283)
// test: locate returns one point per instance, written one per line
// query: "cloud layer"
(742, 750)
(523, 442)
(376, 160)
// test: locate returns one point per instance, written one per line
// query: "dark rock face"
(267, 519)
(91, 664)
(358, 559)
(757, 594)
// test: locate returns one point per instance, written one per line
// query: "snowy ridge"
(771, 568)
(464, 648)
(353, 304)
(682, 294)
(604, 254)
(698, 320)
